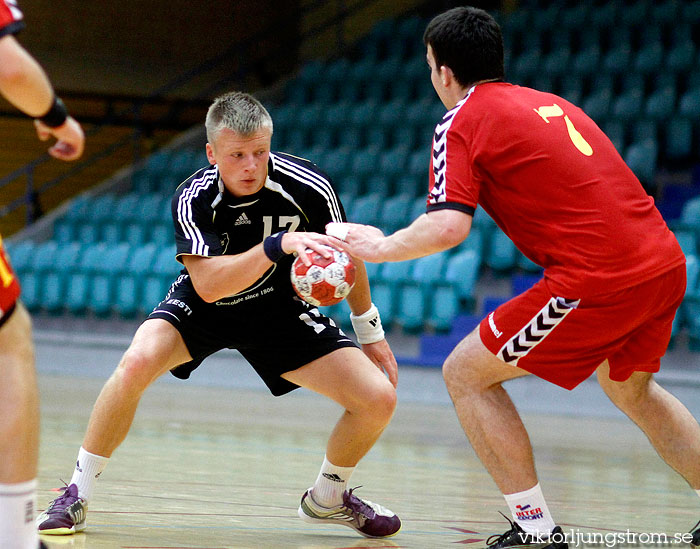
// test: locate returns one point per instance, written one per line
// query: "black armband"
(57, 114)
(272, 246)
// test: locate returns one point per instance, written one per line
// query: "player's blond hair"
(237, 111)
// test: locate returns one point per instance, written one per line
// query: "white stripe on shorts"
(549, 317)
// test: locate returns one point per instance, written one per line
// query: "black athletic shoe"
(516, 537)
(696, 535)
(42, 545)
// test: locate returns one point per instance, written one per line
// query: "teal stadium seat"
(687, 241)
(650, 58)
(428, 270)
(616, 130)
(64, 229)
(526, 264)
(365, 209)
(125, 209)
(30, 283)
(618, 60)
(690, 216)
(337, 162)
(394, 212)
(377, 137)
(629, 105)
(155, 285)
(372, 271)
(642, 159)
(689, 104)
(557, 62)
(363, 114)
(418, 208)
(101, 210)
(135, 234)
(444, 307)
(67, 256)
(88, 233)
(44, 256)
(396, 272)
(379, 184)
(597, 104)
(661, 104)
(411, 308)
(691, 305)
(161, 234)
(52, 291)
(475, 241)
(645, 129)
(586, 61)
(103, 283)
(681, 57)
(501, 254)
(678, 140)
(78, 208)
(128, 289)
(635, 14)
(691, 12)
(365, 162)
(383, 297)
(392, 162)
(111, 233)
(462, 271)
(348, 187)
(21, 255)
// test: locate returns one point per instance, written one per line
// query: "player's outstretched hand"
(380, 353)
(297, 243)
(361, 241)
(70, 138)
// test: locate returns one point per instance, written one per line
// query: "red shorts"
(9, 287)
(565, 340)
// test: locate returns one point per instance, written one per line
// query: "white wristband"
(368, 326)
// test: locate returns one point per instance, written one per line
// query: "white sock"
(87, 468)
(330, 484)
(529, 509)
(17, 504)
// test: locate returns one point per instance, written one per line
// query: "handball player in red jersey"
(25, 85)
(614, 273)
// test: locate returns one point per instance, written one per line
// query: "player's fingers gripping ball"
(327, 281)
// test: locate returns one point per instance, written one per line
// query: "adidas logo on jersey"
(242, 220)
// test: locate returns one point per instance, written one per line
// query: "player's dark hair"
(468, 41)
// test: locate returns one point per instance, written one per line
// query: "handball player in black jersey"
(238, 223)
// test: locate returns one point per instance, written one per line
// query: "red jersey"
(555, 184)
(11, 18)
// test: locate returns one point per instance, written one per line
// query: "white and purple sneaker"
(65, 515)
(369, 519)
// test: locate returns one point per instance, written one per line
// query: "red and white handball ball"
(327, 281)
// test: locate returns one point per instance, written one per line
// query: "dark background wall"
(134, 46)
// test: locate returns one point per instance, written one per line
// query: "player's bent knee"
(379, 405)
(137, 370)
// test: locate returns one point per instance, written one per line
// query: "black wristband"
(57, 114)
(272, 246)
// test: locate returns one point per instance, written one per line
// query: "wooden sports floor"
(213, 468)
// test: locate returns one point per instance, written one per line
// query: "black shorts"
(275, 334)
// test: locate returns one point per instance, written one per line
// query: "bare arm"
(24, 84)
(22, 80)
(360, 302)
(222, 276)
(430, 233)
